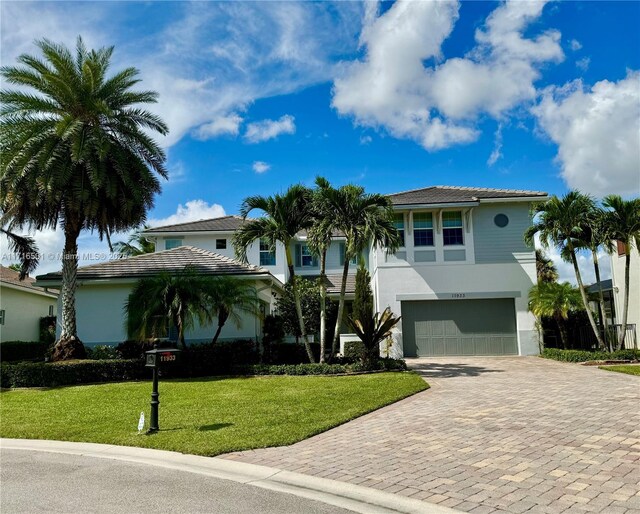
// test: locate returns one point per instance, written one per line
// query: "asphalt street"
(33, 482)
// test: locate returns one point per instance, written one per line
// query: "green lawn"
(624, 368)
(201, 416)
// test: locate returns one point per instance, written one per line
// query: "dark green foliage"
(363, 301)
(23, 351)
(585, 356)
(102, 352)
(309, 292)
(133, 349)
(353, 351)
(48, 329)
(372, 330)
(321, 369)
(292, 353)
(50, 374)
(272, 333)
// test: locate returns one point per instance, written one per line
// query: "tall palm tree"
(75, 151)
(622, 223)
(319, 241)
(364, 219)
(560, 221)
(545, 268)
(555, 300)
(23, 246)
(179, 299)
(284, 216)
(137, 244)
(227, 298)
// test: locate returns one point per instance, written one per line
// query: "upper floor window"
(452, 228)
(304, 257)
(354, 259)
(172, 243)
(221, 244)
(398, 222)
(2, 314)
(267, 257)
(423, 229)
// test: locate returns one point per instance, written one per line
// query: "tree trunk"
(583, 294)
(222, 319)
(562, 329)
(603, 312)
(296, 297)
(343, 289)
(69, 346)
(625, 309)
(323, 305)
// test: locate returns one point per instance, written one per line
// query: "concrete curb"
(340, 494)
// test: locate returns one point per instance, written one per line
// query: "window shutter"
(342, 252)
(298, 255)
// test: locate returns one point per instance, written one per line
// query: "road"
(33, 481)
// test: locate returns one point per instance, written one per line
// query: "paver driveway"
(519, 434)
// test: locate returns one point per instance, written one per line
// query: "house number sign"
(458, 295)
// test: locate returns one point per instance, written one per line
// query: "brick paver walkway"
(491, 435)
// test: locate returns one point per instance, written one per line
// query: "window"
(422, 229)
(304, 258)
(501, 220)
(221, 244)
(354, 260)
(267, 257)
(172, 243)
(398, 222)
(2, 317)
(452, 228)
(50, 310)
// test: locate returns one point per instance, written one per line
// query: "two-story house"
(460, 280)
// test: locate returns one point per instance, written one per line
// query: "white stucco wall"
(617, 275)
(101, 319)
(441, 281)
(23, 311)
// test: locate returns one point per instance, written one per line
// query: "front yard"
(629, 369)
(202, 416)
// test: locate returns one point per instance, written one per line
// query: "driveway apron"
(511, 434)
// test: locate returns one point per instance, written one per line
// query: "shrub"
(23, 351)
(292, 353)
(133, 349)
(319, 369)
(102, 352)
(48, 329)
(585, 356)
(353, 351)
(50, 374)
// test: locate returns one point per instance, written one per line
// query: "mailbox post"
(154, 358)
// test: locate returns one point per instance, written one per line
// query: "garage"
(459, 327)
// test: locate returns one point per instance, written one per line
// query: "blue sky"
(393, 96)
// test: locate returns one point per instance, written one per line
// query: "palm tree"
(545, 268)
(372, 329)
(319, 241)
(622, 223)
(554, 300)
(24, 247)
(228, 297)
(363, 219)
(285, 216)
(76, 152)
(560, 221)
(180, 299)
(137, 244)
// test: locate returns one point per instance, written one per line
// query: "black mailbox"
(153, 359)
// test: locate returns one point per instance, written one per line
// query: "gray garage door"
(459, 327)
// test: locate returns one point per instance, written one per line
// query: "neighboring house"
(609, 303)
(22, 304)
(460, 280)
(617, 277)
(104, 288)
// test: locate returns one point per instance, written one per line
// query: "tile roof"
(223, 224)
(456, 194)
(173, 260)
(334, 282)
(9, 276)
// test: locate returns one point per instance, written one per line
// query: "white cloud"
(264, 130)
(365, 140)
(224, 125)
(583, 64)
(193, 210)
(597, 131)
(261, 167)
(496, 154)
(585, 264)
(575, 45)
(437, 106)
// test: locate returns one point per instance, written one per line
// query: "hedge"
(585, 356)
(353, 350)
(23, 351)
(51, 374)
